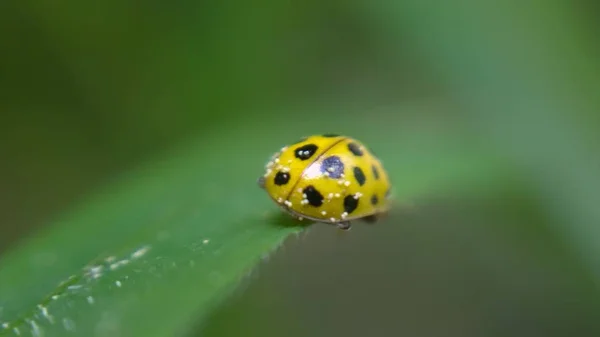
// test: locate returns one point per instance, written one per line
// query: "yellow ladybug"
(328, 178)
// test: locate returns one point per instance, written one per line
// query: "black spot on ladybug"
(374, 200)
(330, 135)
(375, 172)
(313, 196)
(359, 175)
(350, 204)
(355, 149)
(306, 151)
(333, 166)
(281, 178)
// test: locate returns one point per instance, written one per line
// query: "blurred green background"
(91, 91)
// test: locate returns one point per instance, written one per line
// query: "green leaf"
(158, 249)
(527, 86)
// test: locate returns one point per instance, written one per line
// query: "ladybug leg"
(345, 225)
(261, 182)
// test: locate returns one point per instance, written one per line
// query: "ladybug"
(328, 178)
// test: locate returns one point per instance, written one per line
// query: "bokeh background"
(92, 90)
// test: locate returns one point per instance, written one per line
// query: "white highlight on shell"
(347, 183)
(344, 215)
(357, 195)
(324, 212)
(288, 203)
(332, 219)
(312, 172)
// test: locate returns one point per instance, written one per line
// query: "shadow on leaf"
(282, 219)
